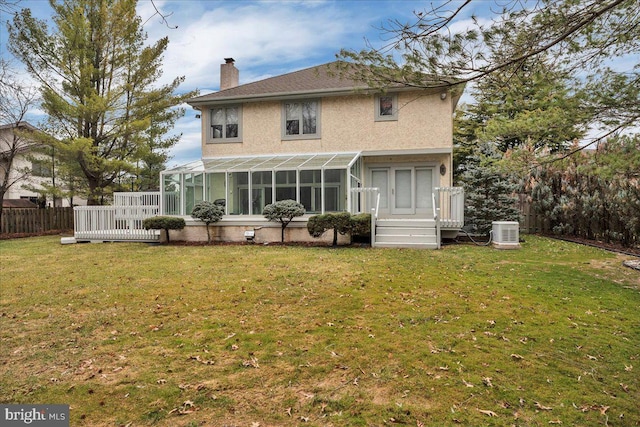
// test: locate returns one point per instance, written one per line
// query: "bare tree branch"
(163, 17)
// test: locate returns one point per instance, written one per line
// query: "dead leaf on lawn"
(516, 356)
(251, 363)
(467, 384)
(201, 360)
(555, 422)
(591, 357)
(487, 381)
(624, 387)
(187, 408)
(488, 413)
(542, 407)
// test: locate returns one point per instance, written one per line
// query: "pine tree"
(98, 84)
(489, 193)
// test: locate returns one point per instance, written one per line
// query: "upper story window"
(301, 119)
(226, 124)
(41, 168)
(386, 107)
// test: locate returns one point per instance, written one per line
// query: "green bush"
(338, 222)
(361, 225)
(283, 211)
(207, 212)
(165, 223)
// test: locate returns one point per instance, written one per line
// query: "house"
(314, 136)
(329, 142)
(23, 168)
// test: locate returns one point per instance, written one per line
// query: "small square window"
(386, 107)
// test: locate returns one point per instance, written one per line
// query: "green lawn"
(136, 335)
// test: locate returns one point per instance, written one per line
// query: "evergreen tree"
(99, 85)
(490, 195)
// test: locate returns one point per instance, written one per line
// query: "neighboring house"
(27, 169)
(31, 169)
(326, 141)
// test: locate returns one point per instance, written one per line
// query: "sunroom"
(244, 185)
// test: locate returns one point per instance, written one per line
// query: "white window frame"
(394, 108)
(301, 126)
(210, 138)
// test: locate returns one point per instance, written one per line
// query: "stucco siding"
(347, 123)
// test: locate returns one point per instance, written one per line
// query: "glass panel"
(403, 188)
(309, 112)
(386, 105)
(286, 185)
(261, 193)
(193, 191)
(424, 178)
(217, 122)
(215, 188)
(292, 117)
(310, 190)
(238, 197)
(335, 194)
(232, 122)
(380, 179)
(171, 191)
(331, 199)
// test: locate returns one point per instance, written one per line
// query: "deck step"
(406, 233)
(405, 245)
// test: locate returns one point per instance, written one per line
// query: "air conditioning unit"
(506, 234)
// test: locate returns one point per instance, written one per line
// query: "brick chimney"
(229, 74)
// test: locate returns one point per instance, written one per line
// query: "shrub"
(338, 222)
(165, 223)
(208, 213)
(361, 225)
(283, 211)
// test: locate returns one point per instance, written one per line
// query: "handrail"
(451, 204)
(436, 217)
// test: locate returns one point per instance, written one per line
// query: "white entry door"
(404, 190)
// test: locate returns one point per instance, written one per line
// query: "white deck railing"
(450, 202)
(120, 222)
(358, 203)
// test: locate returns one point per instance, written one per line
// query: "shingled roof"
(319, 79)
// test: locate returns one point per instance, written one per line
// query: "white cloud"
(257, 35)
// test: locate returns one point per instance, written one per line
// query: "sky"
(266, 38)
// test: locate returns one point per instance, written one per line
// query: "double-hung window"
(226, 124)
(301, 119)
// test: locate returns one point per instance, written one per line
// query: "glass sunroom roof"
(272, 162)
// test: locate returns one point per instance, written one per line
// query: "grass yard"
(142, 335)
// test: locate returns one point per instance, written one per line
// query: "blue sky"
(266, 38)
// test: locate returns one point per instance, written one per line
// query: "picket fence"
(24, 220)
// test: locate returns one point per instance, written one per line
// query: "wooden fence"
(36, 220)
(530, 221)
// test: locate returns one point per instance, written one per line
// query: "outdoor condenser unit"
(506, 234)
